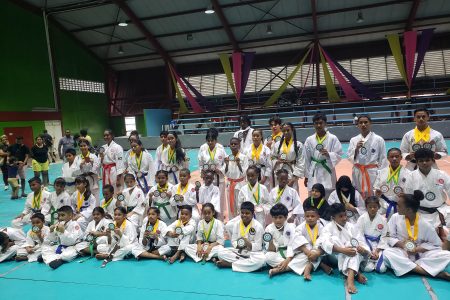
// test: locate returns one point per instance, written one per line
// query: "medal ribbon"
(171, 155)
(256, 152)
(422, 135)
(285, 148)
(122, 227)
(179, 192)
(155, 227)
(279, 134)
(37, 200)
(212, 154)
(84, 157)
(279, 194)
(107, 203)
(320, 203)
(311, 235)
(256, 195)
(208, 234)
(244, 230)
(138, 161)
(80, 200)
(416, 228)
(162, 189)
(393, 175)
(320, 140)
(345, 199)
(179, 223)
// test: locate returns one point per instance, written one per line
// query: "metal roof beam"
(225, 24)
(412, 15)
(148, 35)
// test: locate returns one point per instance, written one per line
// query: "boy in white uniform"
(422, 137)
(367, 153)
(161, 148)
(31, 250)
(415, 246)
(390, 182)
(33, 204)
(260, 156)
(435, 185)
(59, 245)
(57, 199)
(246, 254)
(245, 133)
(111, 158)
(322, 152)
(287, 196)
(11, 240)
(140, 163)
(70, 170)
(343, 241)
(209, 193)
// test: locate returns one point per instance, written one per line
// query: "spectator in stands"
(48, 140)
(84, 136)
(245, 133)
(22, 153)
(275, 126)
(422, 137)
(66, 142)
(355, 119)
(367, 152)
(323, 151)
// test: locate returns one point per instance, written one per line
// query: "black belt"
(430, 210)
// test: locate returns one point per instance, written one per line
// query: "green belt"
(163, 205)
(281, 250)
(323, 163)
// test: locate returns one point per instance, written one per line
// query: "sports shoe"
(23, 195)
(6, 187)
(56, 263)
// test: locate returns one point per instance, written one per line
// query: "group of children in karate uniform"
(387, 217)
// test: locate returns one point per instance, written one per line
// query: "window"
(130, 124)
(70, 84)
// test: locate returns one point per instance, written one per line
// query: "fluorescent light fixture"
(209, 10)
(122, 24)
(360, 18)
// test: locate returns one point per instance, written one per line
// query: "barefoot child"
(58, 198)
(32, 249)
(415, 245)
(11, 240)
(159, 196)
(210, 238)
(348, 196)
(209, 193)
(184, 194)
(151, 238)
(287, 196)
(179, 234)
(343, 241)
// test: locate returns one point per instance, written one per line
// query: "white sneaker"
(6, 187)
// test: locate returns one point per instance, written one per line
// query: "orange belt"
(233, 183)
(107, 167)
(365, 178)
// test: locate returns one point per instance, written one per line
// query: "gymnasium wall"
(25, 77)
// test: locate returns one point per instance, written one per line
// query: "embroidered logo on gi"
(373, 150)
(441, 181)
(380, 226)
(77, 227)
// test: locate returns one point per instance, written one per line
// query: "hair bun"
(418, 195)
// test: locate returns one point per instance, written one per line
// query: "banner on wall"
(238, 78)
(192, 101)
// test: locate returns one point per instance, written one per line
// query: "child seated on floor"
(246, 254)
(11, 239)
(31, 250)
(95, 233)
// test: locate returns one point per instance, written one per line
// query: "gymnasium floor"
(158, 280)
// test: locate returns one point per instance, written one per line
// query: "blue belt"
(174, 176)
(60, 248)
(144, 188)
(371, 238)
(392, 204)
(379, 263)
(70, 183)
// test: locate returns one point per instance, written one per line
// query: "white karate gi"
(62, 241)
(69, 173)
(246, 139)
(86, 208)
(433, 261)
(245, 260)
(314, 171)
(210, 194)
(262, 208)
(135, 202)
(235, 180)
(18, 237)
(297, 165)
(147, 169)
(173, 168)
(436, 140)
(389, 206)
(53, 204)
(29, 210)
(218, 161)
(112, 163)
(109, 209)
(185, 238)
(168, 211)
(334, 234)
(139, 248)
(101, 226)
(91, 171)
(216, 235)
(158, 154)
(436, 183)
(32, 240)
(126, 243)
(374, 233)
(359, 201)
(189, 198)
(371, 160)
(264, 161)
(290, 199)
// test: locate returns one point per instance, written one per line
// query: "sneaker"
(40, 259)
(23, 195)
(56, 263)
(6, 187)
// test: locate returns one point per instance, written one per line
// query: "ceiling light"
(120, 51)
(189, 37)
(269, 29)
(122, 24)
(360, 18)
(209, 10)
